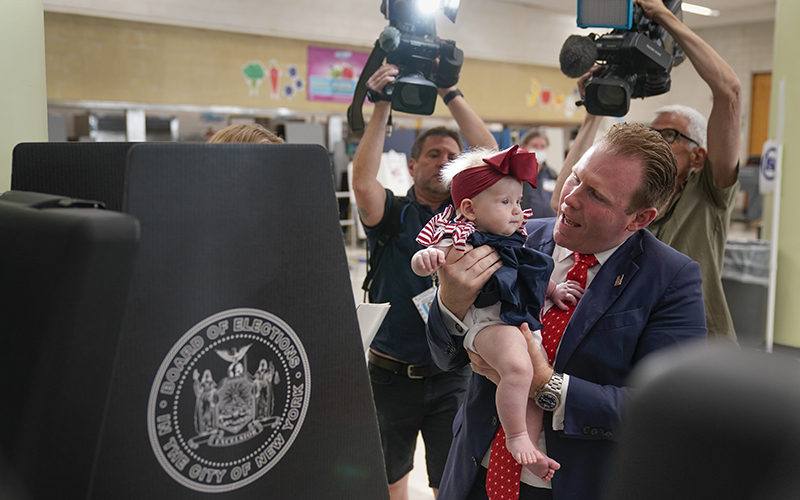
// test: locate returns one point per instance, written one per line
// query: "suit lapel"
(540, 236)
(601, 294)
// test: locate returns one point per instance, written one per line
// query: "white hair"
(697, 122)
(471, 159)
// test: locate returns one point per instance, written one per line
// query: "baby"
(487, 192)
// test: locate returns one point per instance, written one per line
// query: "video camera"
(638, 59)
(411, 44)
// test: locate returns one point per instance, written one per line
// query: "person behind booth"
(538, 199)
(487, 210)
(697, 217)
(245, 132)
(411, 394)
(640, 296)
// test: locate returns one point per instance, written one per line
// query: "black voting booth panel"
(89, 171)
(241, 370)
(65, 273)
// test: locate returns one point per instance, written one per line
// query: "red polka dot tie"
(503, 476)
(555, 319)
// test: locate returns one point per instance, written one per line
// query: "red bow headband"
(513, 161)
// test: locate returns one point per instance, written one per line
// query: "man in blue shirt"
(411, 394)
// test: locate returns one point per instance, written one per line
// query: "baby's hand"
(428, 259)
(566, 293)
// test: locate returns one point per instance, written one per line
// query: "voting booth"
(65, 271)
(240, 371)
(80, 170)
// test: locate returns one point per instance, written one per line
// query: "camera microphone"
(578, 55)
(389, 39)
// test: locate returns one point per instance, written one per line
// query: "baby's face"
(498, 208)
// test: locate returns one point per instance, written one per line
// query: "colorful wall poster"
(333, 73)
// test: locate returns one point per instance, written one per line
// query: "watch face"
(547, 401)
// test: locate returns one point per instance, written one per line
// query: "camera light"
(428, 6)
(605, 14)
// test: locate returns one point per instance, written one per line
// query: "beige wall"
(98, 59)
(23, 103)
(787, 314)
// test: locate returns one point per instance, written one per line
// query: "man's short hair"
(532, 134)
(637, 141)
(698, 124)
(416, 149)
(252, 133)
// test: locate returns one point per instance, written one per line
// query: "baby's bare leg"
(545, 466)
(505, 349)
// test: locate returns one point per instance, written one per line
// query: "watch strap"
(452, 95)
(374, 96)
(553, 392)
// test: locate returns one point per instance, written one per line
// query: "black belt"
(404, 369)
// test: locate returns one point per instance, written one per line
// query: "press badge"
(423, 302)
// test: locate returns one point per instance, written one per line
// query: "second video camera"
(637, 62)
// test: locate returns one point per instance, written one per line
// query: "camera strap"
(355, 115)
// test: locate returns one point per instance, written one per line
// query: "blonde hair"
(471, 159)
(245, 132)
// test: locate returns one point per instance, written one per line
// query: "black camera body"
(411, 44)
(637, 64)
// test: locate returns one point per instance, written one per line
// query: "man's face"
(685, 151)
(594, 199)
(436, 151)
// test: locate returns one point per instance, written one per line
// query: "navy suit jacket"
(657, 303)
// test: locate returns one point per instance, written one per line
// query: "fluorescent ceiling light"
(699, 10)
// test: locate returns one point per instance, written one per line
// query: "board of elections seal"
(228, 400)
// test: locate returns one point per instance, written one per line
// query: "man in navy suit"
(641, 297)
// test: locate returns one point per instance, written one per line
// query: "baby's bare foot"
(544, 468)
(522, 449)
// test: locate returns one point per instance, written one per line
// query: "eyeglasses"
(671, 135)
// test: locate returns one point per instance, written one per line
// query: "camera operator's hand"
(383, 76)
(652, 8)
(585, 78)
(434, 69)
(443, 91)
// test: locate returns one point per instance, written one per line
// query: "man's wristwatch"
(374, 96)
(452, 95)
(549, 397)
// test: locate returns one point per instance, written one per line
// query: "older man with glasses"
(696, 219)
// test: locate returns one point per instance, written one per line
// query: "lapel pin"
(619, 280)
